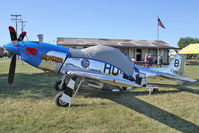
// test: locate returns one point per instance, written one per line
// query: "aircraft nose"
(10, 47)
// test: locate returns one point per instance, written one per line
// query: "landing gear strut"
(65, 97)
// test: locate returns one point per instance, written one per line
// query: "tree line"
(185, 41)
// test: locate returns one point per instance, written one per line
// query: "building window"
(153, 51)
(138, 54)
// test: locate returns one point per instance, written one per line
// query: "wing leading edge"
(114, 80)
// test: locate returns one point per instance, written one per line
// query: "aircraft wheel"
(57, 86)
(59, 102)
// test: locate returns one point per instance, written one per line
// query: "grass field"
(28, 106)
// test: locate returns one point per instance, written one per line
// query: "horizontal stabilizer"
(174, 76)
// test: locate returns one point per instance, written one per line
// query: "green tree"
(183, 42)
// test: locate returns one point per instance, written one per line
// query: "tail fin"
(177, 64)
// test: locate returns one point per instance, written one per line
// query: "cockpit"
(105, 54)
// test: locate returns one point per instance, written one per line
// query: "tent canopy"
(190, 49)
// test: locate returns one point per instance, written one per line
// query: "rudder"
(177, 64)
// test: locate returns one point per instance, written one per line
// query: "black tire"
(124, 88)
(57, 86)
(58, 102)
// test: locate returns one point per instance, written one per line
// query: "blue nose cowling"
(14, 49)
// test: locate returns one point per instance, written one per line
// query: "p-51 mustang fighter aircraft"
(98, 64)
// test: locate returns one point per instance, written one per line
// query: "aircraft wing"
(174, 76)
(114, 80)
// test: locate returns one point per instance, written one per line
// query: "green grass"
(28, 106)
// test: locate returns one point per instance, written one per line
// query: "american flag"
(160, 23)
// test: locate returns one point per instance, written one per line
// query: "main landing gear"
(60, 102)
(68, 92)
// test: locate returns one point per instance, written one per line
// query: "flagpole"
(157, 31)
(157, 50)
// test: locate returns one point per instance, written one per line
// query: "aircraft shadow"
(35, 86)
(129, 100)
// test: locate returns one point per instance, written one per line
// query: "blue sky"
(116, 19)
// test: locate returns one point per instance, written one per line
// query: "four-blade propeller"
(13, 36)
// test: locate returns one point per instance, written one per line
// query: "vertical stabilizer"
(177, 64)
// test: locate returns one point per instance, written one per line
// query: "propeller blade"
(21, 37)
(13, 35)
(12, 69)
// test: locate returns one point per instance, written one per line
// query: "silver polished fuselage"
(77, 64)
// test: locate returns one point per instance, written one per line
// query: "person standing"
(159, 61)
(149, 59)
(145, 60)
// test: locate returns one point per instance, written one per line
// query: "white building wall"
(131, 53)
(165, 57)
(144, 52)
(163, 53)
